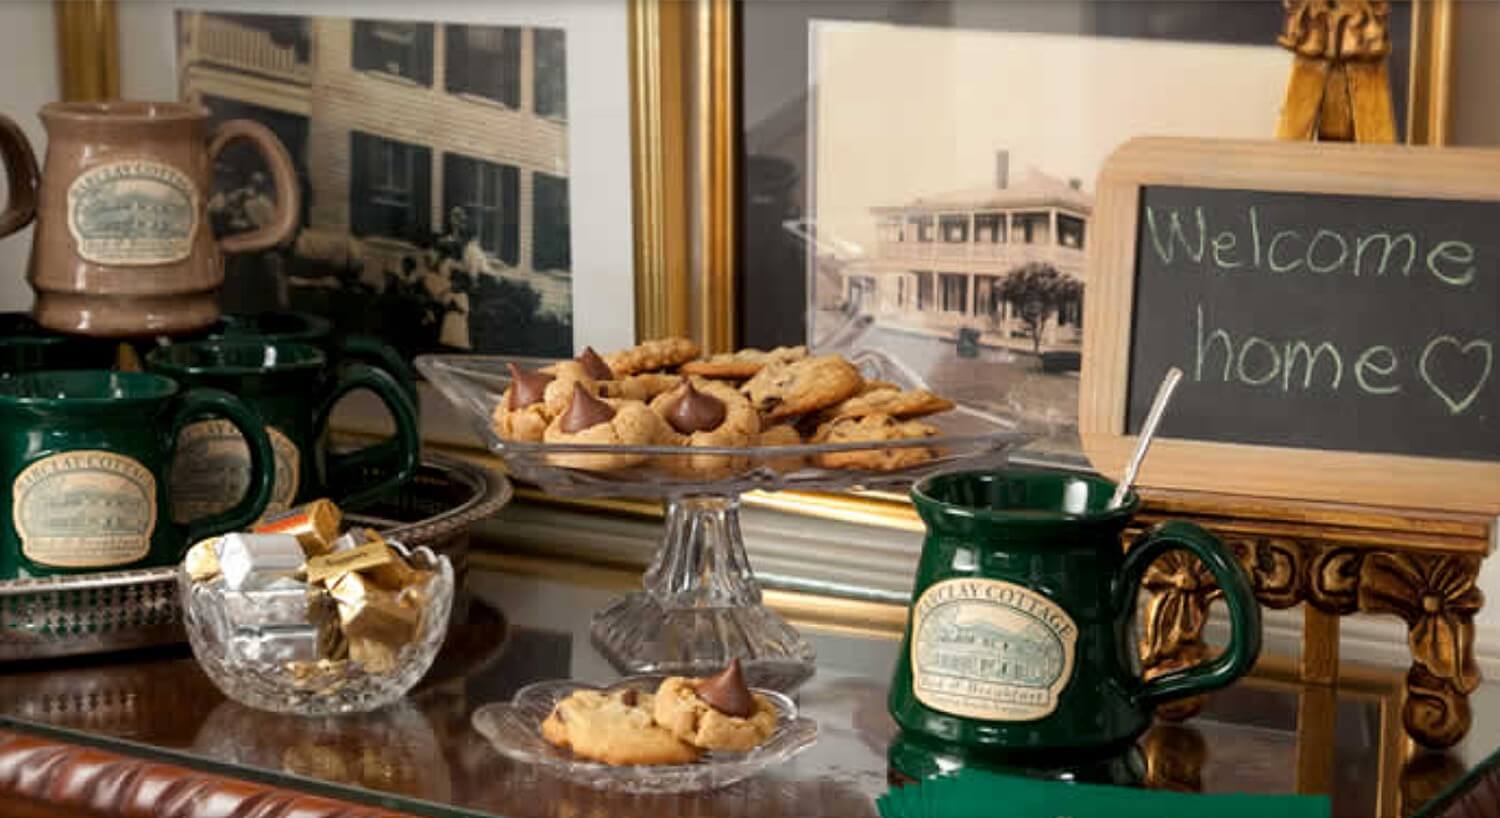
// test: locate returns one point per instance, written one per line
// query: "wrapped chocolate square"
(315, 524)
(249, 561)
(281, 644)
(282, 602)
(202, 560)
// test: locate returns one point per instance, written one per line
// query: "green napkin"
(982, 794)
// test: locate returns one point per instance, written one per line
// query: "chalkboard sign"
(1335, 310)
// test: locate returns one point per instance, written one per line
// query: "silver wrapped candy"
(295, 643)
(281, 602)
(253, 561)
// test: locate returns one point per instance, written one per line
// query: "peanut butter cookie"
(649, 356)
(742, 364)
(522, 412)
(783, 390)
(707, 413)
(615, 728)
(589, 419)
(874, 429)
(782, 434)
(715, 713)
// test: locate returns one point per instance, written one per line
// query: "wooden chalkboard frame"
(1264, 471)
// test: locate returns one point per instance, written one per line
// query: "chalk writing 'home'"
(1253, 245)
(1303, 365)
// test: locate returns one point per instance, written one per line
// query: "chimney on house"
(1002, 170)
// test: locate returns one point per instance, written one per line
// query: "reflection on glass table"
(1266, 734)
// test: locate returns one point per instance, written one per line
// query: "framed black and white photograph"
(923, 173)
(437, 148)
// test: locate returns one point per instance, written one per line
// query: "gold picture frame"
(685, 130)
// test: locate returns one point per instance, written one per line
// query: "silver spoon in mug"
(1148, 431)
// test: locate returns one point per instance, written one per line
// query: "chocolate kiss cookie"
(526, 388)
(694, 411)
(727, 692)
(594, 366)
(584, 411)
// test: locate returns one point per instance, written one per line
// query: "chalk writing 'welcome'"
(1317, 250)
(1454, 370)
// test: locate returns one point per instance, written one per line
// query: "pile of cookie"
(683, 719)
(662, 393)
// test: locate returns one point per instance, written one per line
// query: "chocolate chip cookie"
(874, 428)
(649, 356)
(742, 364)
(615, 728)
(786, 389)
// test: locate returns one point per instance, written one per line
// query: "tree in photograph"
(1037, 289)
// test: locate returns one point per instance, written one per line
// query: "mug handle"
(1244, 610)
(395, 458)
(198, 403)
(371, 350)
(283, 176)
(21, 177)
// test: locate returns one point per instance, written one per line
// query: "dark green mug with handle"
(293, 389)
(86, 455)
(1019, 644)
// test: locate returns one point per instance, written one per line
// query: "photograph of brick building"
(434, 171)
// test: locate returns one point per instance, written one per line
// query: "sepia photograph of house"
(951, 188)
(433, 164)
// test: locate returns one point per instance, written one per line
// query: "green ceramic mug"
(86, 455)
(26, 347)
(307, 328)
(293, 389)
(1019, 645)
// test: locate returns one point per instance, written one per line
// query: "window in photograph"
(921, 228)
(551, 76)
(390, 187)
(488, 193)
(1030, 228)
(954, 227)
(987, 300)
(484, 61)
(903, 292)
(924, 290)
(400, 49)
(551, 244)
(955, 292)
(989, 228)
(889, 231)
(1070, 231)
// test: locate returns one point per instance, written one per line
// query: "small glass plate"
(515, 730)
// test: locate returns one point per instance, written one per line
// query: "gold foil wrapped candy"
(315, 524)
(298, 594)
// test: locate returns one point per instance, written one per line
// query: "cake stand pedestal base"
(702, 607)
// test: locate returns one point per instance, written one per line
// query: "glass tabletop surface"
(1266, 734)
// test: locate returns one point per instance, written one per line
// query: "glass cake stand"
(701, 605)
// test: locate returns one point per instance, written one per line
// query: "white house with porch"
(939, 261)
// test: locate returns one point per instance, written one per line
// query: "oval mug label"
(211, 470)
(133, 212)
(989, 649)
(84, 509)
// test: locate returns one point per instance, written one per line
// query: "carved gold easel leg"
(1179, 591)
(1370, 95)
(1304, 99)
(1437, 598)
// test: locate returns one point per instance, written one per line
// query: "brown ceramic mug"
(20, 177)
(123, 245)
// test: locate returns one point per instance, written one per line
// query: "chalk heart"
(1445, 346)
